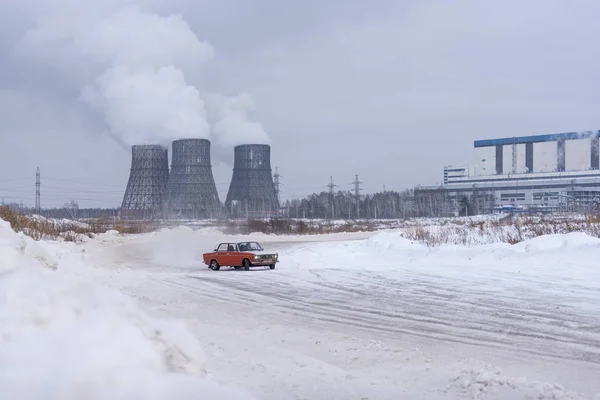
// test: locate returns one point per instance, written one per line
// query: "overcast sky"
(389, 90)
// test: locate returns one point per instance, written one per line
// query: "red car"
(239, 255)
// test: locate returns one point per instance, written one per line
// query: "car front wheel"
(214, 265)
(246, 264)
(272, 266)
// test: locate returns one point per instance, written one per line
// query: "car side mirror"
(214, 249)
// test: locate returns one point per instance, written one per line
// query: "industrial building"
(541, 173)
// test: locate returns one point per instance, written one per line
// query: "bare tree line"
(346, 204)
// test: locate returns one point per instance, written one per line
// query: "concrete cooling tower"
(147, 183)
(252, 191)
(191, 190)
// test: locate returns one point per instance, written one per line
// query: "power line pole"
(357, 190)
(37, 192)
(277, 183)
(331, 187)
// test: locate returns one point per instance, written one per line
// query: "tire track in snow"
(413, 307)
(506, 304)
(442, 296)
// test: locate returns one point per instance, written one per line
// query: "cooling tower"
(191, 191)
(148, 178)
(252, 191)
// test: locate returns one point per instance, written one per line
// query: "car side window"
(222, 247)
(232, 247)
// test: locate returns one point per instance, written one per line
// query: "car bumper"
(266, 262)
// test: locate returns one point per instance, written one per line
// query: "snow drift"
(63, 338)
(391, 250)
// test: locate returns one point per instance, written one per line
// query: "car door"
(234, 256)
(222, 254)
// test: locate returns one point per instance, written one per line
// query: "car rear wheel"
(246, 264)
(214, 265)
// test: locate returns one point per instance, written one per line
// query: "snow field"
(378, 316)
(62, 337)
(344, 316)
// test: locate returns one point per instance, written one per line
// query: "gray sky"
(389, 90)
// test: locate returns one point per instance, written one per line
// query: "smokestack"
(252, 191)
(147, 183)
(191, 190)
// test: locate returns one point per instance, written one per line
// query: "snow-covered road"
(382, 318)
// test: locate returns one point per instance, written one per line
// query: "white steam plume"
(131, 66)
(116, 33)
(148, 106)
(232, 125)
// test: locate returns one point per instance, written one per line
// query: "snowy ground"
(359, 316)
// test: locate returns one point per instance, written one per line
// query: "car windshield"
(249, 246)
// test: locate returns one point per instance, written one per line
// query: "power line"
(89, 183)
(83, 190)
(17, 188)
(15, 180)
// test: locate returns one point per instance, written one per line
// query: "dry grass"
(463, 231)
(44, 229)
(37, 229)
(511, 229)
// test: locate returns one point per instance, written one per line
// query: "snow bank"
(492, 383)
(391, 250)
(396, 242)
(18, 249)
(393, 241)
(558, 242)
(473, 232)
(63, 338)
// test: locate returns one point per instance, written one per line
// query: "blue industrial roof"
(538, 138)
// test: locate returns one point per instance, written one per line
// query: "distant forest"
(339, 205)
(346, 205)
